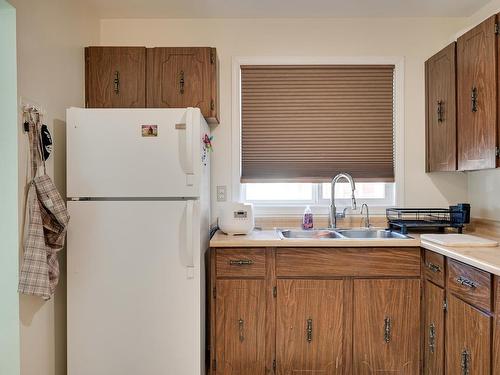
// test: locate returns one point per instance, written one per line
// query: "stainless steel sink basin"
(370, 233)
(311, 234)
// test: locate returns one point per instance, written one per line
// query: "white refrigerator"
(138, 190)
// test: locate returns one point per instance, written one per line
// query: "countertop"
(484, 258)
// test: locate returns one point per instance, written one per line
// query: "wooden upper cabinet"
(115, 77)
(441, 119)
(434, 329)
(183, 77)
(310, 327)
(240, 327)
(468, 339)
(386, 327)
(477, 97)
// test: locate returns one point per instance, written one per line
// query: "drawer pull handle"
(309, 330)
(181, 82)
(473, 98)
(466, 282)
(434, 267)
(241, 262)
(241, 329)
(116, 83)
(387, 329)
(432, 338)
(464, 364)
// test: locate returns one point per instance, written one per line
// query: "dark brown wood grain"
(496, 327)
(375, 301)
(477, 68)
(240, 332)
(321, 302)
(467, 330)
(434, 329)
(101, 66)
(224, 258)
(441, 129)
(434, 267)
(479, 294)
(179, 77)
(359, 262)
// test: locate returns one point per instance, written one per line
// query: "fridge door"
(135, 152)
(134, 288)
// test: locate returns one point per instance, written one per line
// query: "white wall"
(484, 186)
(9, 309)
(51, 35)
(414, 39)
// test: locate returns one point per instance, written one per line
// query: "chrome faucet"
(366, 219)
(333, 209)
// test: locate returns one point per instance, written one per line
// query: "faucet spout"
(333, 208)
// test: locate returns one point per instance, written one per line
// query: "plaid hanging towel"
(45, 230)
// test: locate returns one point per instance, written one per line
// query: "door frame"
(9, 225)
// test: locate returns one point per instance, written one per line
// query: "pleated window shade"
(306, 123)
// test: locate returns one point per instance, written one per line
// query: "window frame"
(293, 207)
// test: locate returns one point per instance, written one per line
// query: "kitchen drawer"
(240, 262)
(338, 262)
(470, 284)
(434, 267)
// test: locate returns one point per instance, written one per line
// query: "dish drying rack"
(401, 219)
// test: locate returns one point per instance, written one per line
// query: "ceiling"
(285, 8)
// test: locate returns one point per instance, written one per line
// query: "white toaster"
(236, 218)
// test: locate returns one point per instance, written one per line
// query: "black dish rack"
(402, 219)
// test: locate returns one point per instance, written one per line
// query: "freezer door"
(134, 288)
(134, 152)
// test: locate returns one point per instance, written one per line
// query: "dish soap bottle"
(307, 219)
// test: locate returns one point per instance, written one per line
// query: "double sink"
(358, 233)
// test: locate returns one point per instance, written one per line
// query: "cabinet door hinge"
(497, 152)
(212, 105)
(497, 28)
(212, 56)
(274, 365)
(445, 305)
(275, 292)
(214, 364)
(214, 292)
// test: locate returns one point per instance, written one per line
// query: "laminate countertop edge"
(484, 258)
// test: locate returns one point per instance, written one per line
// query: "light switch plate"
(221, 193)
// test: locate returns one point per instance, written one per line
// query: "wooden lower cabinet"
(434, 297)
(310, 327)
(240, 327)
(468, 339)
(386, 338)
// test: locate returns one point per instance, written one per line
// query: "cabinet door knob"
(309, 330)
(181, 82)
(440, 111)
(387, 329)
(473, 97)
(116, 83)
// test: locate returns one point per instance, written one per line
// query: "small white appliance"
(236, 218)
(138, 189)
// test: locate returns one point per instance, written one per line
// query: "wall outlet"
(221, 193)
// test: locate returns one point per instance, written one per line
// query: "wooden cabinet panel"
(386, 327)
(241, 262)
(477, 97)
(183, 77)
(434, 267)
(337, 262)
(240, 327)
(441, 124)
(469, 283)
(434, 329)
(468, 339)
(310, 327)
(115, 77)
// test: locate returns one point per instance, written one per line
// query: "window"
(303, 124)
(375, 194)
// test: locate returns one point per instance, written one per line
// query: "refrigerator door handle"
(189, 256)
(187, 127)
